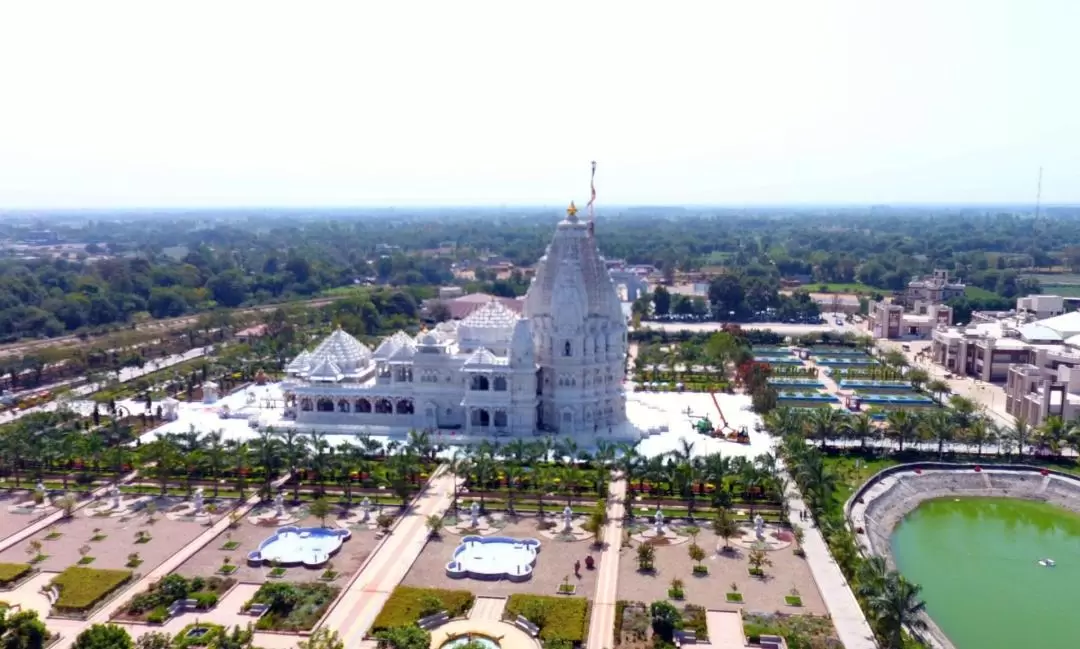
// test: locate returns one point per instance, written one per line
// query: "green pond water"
(977, 562)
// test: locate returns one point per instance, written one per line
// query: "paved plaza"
(787, 573)
(117, 541)
(554, 563)
(12, 521)
(210, 558)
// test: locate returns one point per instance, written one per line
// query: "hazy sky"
(376, 102)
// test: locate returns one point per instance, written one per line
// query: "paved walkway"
(725, 629)
(356, 609)
(488, 608)
(105, 613)
(507, 636)
(602, 624)
(847, 616)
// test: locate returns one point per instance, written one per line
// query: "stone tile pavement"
(848, 618)
(602, 622)
(488, 608)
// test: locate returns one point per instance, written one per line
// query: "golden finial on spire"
(572, 210)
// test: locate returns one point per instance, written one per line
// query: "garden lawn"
(83, 588)
(13, 572)
(567, 617)
(405, 605)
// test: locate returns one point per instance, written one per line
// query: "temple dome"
(339, 354)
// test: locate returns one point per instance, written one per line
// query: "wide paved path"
(847, 615)
(356, 609)
(725, 629)
(602, 622)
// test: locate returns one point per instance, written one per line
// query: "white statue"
(365, 506)
(198, 501)
(759, 527)
(115, 493)
(568, 518)
(279, 505)
(40, 488)
(659, 519)
(474, 511)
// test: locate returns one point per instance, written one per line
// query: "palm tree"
(483, 470)
(570, 478)
(715, 468)
(239, 453)
(458, 466)
(164, 457)
(267, 451)
(860, 427)
(1021, 432)
(215, 455)
(902, 426)
(319, 459)
(895, 608)
(825, 423)
(293, 444)
(938, 388)
(514, 474)
(1052, 434)
(939, 426)
(817, 482)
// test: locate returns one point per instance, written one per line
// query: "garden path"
(725, 629)
(355, 610)
(602, 624)
(488, 608)
(847, 616)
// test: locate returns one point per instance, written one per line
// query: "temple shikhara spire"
(551, 362)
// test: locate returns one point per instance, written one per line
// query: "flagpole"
(592, 198)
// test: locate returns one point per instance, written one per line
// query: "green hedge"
(404, 606)
(567, 617)
(82, 588)
(13, 572)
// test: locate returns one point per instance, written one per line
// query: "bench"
(52, 593)
(772, 642)
(432, 621)
(526, 626)
(258, 610)
(686, 637)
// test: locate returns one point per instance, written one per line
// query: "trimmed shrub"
(567, 617)
(13, 572)
(407, 604)
(82, 588)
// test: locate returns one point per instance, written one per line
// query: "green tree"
(320, 508)
(154, 640)
(104, 636)
(322, 638)
(661, 301)
(665, 619)
(22, 630)
(404, 637)
(725, 527)
(895, 608)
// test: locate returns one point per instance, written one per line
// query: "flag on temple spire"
(592, 190)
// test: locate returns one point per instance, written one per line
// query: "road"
(167, 324)
(779, 327)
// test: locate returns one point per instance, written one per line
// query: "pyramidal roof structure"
(339, 354)
(572, 275)
(492, 315)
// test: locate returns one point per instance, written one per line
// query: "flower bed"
(567, 617)
(292, 607)
(10, 573)
(83, 588)
(152, 605)
(406, 605)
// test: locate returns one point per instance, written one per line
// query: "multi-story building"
(557, 365)
(892, 320)
(934, 289)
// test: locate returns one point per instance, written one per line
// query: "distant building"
(893, 321)
(1041, 306)
(934, 289)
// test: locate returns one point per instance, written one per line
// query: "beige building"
(933, 289)
(893, 321)
(1034, 393)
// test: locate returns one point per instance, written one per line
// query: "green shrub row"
(13, 572)
(566, 618)
(82, 588)
(407, 604)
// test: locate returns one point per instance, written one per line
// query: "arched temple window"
(384, 407)
(343, 405)
(480, 382)
(404, 407)
(500, 384)
(324, 405)
(567, 349)
(481, 417)
(305, 404)
(500, 419)
(363, 405)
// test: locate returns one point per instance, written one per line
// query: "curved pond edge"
(882, 502)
